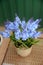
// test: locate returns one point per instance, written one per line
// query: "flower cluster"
(22, 29)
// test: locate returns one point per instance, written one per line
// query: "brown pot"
(23, 51)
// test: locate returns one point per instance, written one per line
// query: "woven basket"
(23, 51)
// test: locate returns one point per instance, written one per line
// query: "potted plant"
(24, 34)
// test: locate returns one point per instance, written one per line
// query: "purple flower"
(22, 29)
(5, 34)
(34, 25)
(10, 26)
(17, 19)
(30, 21)
(24, 34)
(37, 21)
(23, 24)
(17, 34)
(37, 34)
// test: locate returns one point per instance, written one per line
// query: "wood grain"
(35, 58)
(3, 47)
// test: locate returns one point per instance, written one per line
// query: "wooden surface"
(3, 47)
(35, 58)
(11, 57)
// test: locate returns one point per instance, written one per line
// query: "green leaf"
(23, 43)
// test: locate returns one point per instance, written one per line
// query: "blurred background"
(23, 8)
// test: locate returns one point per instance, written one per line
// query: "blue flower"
(34, 25)
(17, 19)
(30, 21)
(23, 24)
(5, 34)
(16, 25)
(25, 35)
(22, 29)
(37, 34)
(13, 26)
(17, 34)
(37, 21)
(31, 33)
(10, 26)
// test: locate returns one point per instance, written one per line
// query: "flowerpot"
(23, 51)
(1, 39)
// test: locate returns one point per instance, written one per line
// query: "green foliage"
(21, 43)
